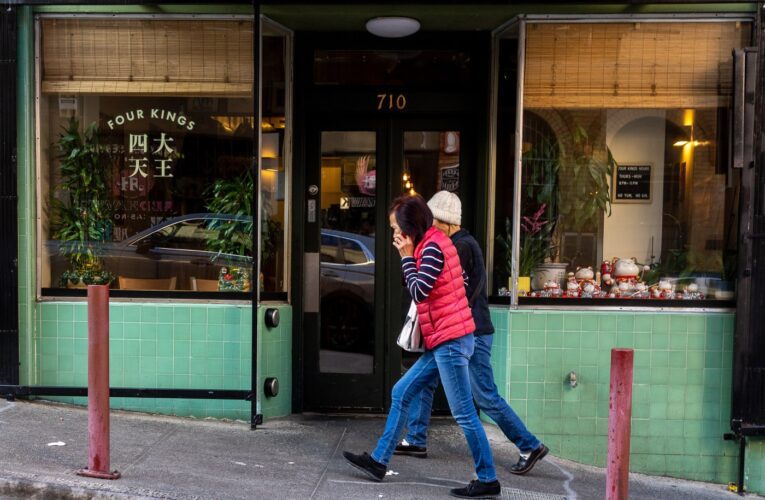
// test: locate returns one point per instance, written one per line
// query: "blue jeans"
(450, 361)
(486, 396)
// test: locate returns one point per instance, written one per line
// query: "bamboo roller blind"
(141, 56)
(631, 65)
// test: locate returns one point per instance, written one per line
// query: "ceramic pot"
(549, 271)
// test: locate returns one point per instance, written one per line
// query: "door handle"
(330, 274)
(311, 267)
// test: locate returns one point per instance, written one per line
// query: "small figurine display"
(621, 278)
(691, 292)
(572, 287)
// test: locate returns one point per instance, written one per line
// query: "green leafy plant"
(232, 197)
(541, 194)
(541, 165)
(588, 177)
(82, 213)
(235, 197)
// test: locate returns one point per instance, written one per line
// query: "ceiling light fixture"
(393, 27)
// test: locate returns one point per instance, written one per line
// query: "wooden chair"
(146, 283)
(202, 285)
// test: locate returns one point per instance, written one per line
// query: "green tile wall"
(275, 355)
(169, 346)
(681, 392)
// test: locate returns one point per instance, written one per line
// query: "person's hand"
(404, 245)
(362, 164)
(365, 180)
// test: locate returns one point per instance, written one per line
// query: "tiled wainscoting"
(169, 346)
(681, 391)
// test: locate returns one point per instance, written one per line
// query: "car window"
(187, 235)
(330, 250)
(353, 253)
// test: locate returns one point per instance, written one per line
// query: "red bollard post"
(98, 384)
(619, 425)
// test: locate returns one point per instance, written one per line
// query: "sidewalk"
(298, 457)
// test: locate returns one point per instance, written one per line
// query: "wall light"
(393, 27)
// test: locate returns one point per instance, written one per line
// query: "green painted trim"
(25, 144)
(218, 9)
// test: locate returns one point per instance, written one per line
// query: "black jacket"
(471, 260)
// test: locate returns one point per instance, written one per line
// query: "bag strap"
(477, 290)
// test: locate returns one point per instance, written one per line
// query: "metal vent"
(514, 494)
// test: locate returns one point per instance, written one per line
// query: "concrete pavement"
(297, 457)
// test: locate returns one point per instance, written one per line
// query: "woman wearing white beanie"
(447, 212)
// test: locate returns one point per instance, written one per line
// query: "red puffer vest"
(445, 314)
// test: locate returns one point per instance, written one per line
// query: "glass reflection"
(348, 200)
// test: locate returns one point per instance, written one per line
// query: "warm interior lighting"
(680, 143)
(269, 147)
(393, 27)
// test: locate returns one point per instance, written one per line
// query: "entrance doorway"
(350, 349)
(363, 146)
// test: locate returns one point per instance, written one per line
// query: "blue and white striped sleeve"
(420, 283)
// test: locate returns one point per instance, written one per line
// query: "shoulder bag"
(410, 338)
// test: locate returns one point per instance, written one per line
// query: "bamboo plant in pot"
(82, 212)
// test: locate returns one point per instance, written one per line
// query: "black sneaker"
(367, 465)
(526, 464)
(404, 448)
(477, 489)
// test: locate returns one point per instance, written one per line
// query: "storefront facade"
(577, 138)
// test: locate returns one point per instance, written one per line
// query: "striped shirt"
(420, 283)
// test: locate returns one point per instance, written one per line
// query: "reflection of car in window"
(179, 247)
(347, 291)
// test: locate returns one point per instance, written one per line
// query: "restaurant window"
(147, 136)
(626, 190)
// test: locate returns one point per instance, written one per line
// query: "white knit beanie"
(446, 207)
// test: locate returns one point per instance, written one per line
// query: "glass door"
(351, 356)
(343, 347)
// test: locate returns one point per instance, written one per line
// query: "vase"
(524, 285)
(549, 271)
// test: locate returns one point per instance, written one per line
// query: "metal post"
(619, 425)
(741, 460)
(98, 384)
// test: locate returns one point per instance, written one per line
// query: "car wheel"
(343, 322)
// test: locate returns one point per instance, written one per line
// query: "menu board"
(632, 183)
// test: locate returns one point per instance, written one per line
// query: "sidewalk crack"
(141, 456)
(329, 461)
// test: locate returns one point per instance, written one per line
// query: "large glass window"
(626, 190)
(145, 155)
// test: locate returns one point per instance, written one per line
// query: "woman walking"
(434, 277)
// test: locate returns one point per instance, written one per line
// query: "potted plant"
(234, 236)
(588, 181)
(82, 213)
(541, 198)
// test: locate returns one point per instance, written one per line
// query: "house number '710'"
(390, 101)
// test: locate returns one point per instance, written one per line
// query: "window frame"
(515, 28)
(60, 294)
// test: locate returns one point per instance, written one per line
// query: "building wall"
(681, 387)
(169, 346)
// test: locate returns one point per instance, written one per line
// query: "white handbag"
(410, 338)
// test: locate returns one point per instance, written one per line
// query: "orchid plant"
(535, 241)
